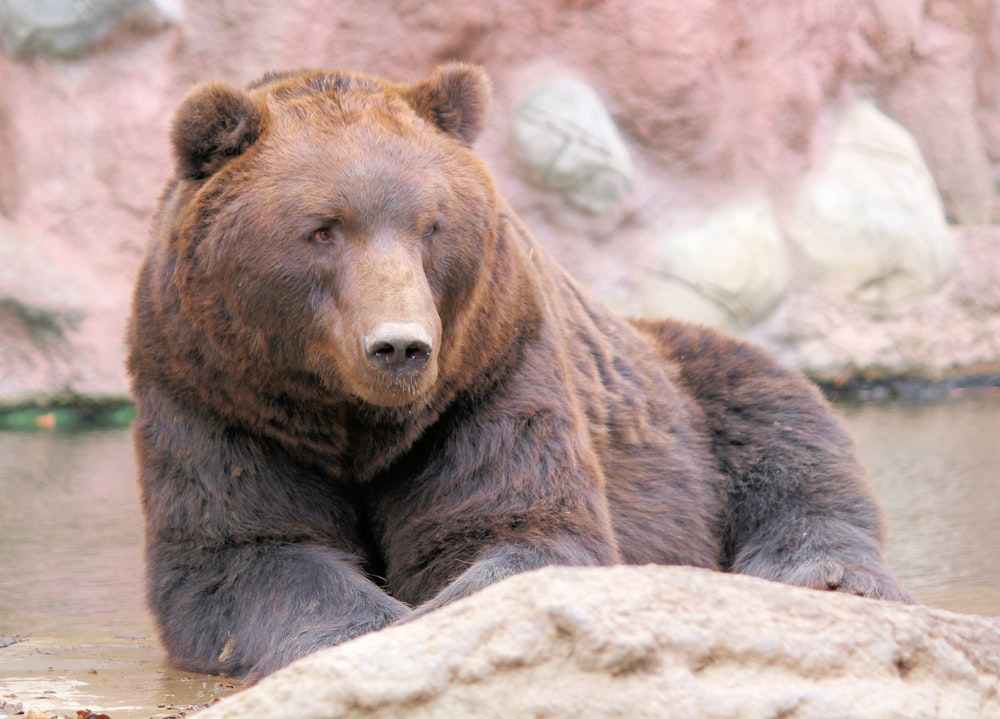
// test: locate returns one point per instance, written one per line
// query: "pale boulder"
(647, 642)
(728, 269)
(565, 137)
(869, 221)
(71, 27)
(938, 335)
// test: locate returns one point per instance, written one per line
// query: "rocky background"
(818, 176)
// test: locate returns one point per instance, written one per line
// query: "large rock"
(34, 283)
(950, 332)
(40, 307)
(69, 27)
(728, 270)
(563, 133)
(647, 642)
(869, 220)
(946, 97)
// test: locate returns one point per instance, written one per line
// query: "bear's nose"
(399, 347)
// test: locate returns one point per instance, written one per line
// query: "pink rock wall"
(712, 97)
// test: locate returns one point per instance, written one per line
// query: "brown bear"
(365, 390)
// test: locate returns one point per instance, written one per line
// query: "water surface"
(74, 630)
(936, 469)
(71, 546)
(70, 535)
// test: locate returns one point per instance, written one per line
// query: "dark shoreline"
(908, 388)
(86, 413)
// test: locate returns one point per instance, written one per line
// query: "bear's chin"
(399, 392)
(388, 400)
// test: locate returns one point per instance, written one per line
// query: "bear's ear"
(454, 98)
(214, 123)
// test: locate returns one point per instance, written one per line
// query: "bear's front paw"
(836, 576)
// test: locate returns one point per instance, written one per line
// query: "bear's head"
(332, 225)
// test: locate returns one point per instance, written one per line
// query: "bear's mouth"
(392, 365)
(390, 389)
(397, 364)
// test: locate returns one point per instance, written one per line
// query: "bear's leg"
(506, 560)
(800, 545)
(253, 557)
(799, 513)
(247, 611)
(500, 493)
(798, 510)
(798, 507)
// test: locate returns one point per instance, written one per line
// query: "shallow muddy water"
(71, 558)
(74, 632)
(936, 470)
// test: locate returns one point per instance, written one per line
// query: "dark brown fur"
(298, 494)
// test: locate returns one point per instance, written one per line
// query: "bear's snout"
(398, 347)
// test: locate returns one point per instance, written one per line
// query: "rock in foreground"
(647, 642)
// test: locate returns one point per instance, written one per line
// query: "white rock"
(564, 134)
(69, 27)
(869, 222)
(728, 270)
(833, 339)
(647, 642)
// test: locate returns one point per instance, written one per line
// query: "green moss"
(68, 418)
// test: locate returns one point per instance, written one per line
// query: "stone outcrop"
(563, 133)
(67, 28)
(952, 332)
(868, 220)
(39, 307)
(944, 85)
(729, 269)
(647, 642)
(680, 159)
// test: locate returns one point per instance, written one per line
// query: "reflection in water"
(71, 532)
(936, 470)
(70, 536)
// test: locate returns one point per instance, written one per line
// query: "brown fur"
(306, 480)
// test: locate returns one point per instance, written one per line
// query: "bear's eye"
(323, 235)
(432, 229)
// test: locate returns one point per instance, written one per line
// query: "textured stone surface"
(39, 310)
(868, 220)
(647, 642)
(728, 270)
(563, 133)
(69, 27)
(950, 332)
(34, 283)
